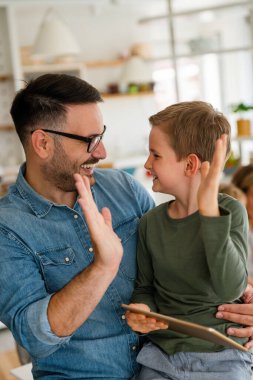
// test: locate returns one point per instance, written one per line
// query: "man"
(60, 289)
(60, 292)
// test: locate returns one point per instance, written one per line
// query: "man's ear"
(42, 144)
(192, 165)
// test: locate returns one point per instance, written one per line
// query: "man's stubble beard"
(59, 172)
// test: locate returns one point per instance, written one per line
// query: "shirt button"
(66, 259)
(90, 249)
(134, 348)
(76, 216)
(123, 316)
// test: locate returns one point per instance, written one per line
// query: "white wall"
(128, 126)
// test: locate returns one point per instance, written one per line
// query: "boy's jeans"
(229, 364)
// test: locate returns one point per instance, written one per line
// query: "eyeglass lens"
(94, 143)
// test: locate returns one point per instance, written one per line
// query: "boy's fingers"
(204, 169)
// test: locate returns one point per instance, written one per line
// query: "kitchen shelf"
(28, 65)
(7, 128)
(68, 66)
(103, 64)
(127, 95)
(4, 77)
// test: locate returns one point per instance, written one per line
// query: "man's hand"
(106, 244)
(141, 323)
(247, 296)
(72, 305)
(210, 178)
(241, 314)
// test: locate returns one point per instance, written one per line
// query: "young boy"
(192, 251)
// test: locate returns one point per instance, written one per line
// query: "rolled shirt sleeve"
(38, 324)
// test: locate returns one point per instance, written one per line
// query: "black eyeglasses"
(92, 141)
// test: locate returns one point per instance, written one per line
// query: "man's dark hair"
(42, 103)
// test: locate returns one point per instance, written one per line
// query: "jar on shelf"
(243, 128)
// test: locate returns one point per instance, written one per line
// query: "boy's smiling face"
(163, 164)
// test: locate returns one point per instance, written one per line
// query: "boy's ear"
(192, 165)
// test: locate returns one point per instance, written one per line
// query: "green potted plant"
(243, 123)
(232, 164)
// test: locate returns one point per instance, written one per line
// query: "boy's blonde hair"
(192, 127)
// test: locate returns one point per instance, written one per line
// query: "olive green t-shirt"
(189, 266)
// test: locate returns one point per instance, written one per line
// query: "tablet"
(189, 328)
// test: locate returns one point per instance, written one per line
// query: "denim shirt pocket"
(127, 232)
(58, 267)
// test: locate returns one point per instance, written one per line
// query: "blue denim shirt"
(42, 247)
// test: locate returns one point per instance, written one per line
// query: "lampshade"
(136, 70)
(54, 38)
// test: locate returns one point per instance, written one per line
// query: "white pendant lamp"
(54, 39)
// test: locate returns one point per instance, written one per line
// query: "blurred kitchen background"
(142, 55)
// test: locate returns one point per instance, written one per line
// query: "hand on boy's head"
(141, 323)
(210, 179)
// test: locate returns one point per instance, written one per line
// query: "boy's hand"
(141, 323)
(210, 178)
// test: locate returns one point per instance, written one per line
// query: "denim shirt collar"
(39, 205)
